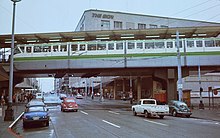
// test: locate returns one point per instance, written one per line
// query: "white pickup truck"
(149, 108)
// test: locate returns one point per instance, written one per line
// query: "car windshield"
(69, 100)
(36, 108)
(182, 105)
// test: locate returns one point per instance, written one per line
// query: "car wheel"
(134, 113)
(187, 116)
(61, 109)
(146, 114)
(76, 110)
(174, 113)
(161, 116)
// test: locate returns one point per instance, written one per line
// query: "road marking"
(84, 112)
(111, 124)
(114, 112)
(155, 122)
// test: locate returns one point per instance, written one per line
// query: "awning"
(23, 85)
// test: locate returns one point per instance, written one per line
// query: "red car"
(69, 104)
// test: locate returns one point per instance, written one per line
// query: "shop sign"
(103, 16)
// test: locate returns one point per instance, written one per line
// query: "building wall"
(92, 20)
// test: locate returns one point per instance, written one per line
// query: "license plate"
(35, 118)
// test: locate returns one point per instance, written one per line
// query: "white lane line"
(84, 112)
(111, 124)
(114, 112)
(155, 122)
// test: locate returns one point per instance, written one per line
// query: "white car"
(149, 108)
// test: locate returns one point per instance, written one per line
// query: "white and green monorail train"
(95, 49)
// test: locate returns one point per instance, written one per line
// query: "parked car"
(54, 100)
(179, 108)
(69, 104)
(36, 115)
(150, 107)
(79, 96)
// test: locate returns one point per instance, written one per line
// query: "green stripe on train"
(114, 56)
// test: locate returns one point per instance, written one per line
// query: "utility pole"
(9, 112)
(201, 105)
(179, 83)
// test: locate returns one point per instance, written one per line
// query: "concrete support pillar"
(171, 84)
(138, 88)
(114, 89)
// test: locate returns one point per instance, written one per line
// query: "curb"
(10, 128)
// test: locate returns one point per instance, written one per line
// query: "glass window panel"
(217, 43)
(28, 49)
(198, 43)
(130, 45)
(21, 48)
(38, 49)
(169, 44)
(82, 47)
(91, 47)
(46, 48)
(149, 45)
(105, 25)
(63, 48)
(209, 43)
(101, 46)
(111, 46)
(153, 26)
(140, 45)
(159, 44)
(141, 26)
(74, 47)
(117, 25)
(55, 48)
(190, 43)
(180, 44)
(119, 46)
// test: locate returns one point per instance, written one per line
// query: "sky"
(41, 16)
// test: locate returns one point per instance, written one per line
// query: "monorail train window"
(21, 49)
(217, 43)
(28, 49)
(63, 47)
(159, 44)
(55, 48)
(38, 49)
(209, 43)
(91, 47)
(140, 45)
(149, 45)
(110, 46)
(169, 44)
(119, 46)
(198, 43)
(190, 43)
(130, 45)
(82, 47)
(180, 44)
(101, 46)
(73, 47)
(46, 48)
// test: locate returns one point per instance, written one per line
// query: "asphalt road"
(97, 120)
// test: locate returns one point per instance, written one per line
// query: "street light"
(9, 113)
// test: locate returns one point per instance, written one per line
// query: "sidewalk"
(18, 109)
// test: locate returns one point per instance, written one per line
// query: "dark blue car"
(36, 115)
(179, 108)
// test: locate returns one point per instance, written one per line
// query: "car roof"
(35, 103)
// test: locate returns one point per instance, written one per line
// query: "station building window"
(117, 25)
(141, 26)
(163, 26)
(105, 25)
(153, 26)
